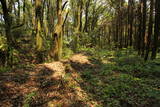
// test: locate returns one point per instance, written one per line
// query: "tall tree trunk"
(24, 12)
(156, 29)
(38, 8)
(19, 12)
(144, 27)
(8, 24)
(77, 24)
(87, 5)
(81, 14)
(121, 24)
(139, 28)
(136, 30)
(56, 51)
(150, 30)
(130, 21)
(117, 30)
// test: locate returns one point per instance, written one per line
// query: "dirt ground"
(46, 85)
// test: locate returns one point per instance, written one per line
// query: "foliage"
(112, 33)
(5, 69)
(67, 53)
(3, 44)
(123, 80)
(129, 89)
(28, 99)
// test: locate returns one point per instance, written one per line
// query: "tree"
(150, 30)
(130, 21)
(156, 29)
(143, 27)
(56, 50)
(87, 5)
(139, 27)
(38, 8)
(8, 24)
(77, 23)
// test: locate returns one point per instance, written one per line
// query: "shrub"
(128, 89)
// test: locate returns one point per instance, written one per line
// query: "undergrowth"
(123, 79)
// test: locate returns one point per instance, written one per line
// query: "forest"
(79, 53)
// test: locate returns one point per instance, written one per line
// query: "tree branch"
(17, 26)
(65, 19)
(64, 5)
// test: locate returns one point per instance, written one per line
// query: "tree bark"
(144, 27)
(156, 29)
(56, 51)
(38, 8)
(87, 5)
(139, 28)
(8, 24)
(150, 30)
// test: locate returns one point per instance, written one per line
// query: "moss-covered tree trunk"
(56, 51)
(24, 11)
(8, 24)
(77, 24)
(87, 5)
(38, 8)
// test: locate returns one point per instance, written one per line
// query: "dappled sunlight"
(58, 68)
(80, 58)
(79, 53)
(108, 60)
(81, 80)
(50, 84)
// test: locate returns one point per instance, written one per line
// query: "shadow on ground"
(77, 82)
(42, 86)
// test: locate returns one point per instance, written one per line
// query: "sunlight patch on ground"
(72, 82)
(80, 58)
(58, 68)
(56, 84)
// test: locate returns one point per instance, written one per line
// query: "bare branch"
(65, 19)
(64, 5)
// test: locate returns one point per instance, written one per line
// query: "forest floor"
(86, 79)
